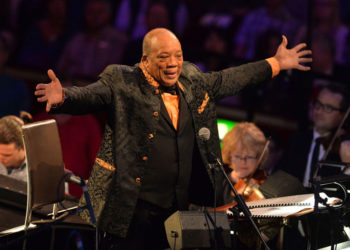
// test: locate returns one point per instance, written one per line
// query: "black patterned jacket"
(133, 106)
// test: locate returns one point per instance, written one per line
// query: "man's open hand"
(293, 58)
(51, 93)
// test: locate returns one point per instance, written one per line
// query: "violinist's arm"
(234, 177)
(345, 154)
(345, 151)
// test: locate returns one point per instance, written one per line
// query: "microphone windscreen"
(204, 134)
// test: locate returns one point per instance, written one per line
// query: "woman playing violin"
(242, 148)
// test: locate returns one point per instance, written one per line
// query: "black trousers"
(146, 231)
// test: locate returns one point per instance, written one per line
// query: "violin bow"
(267, 143)
(337, 133)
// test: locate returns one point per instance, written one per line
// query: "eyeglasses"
(325, 107)
(246, 158)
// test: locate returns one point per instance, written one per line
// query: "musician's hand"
(234, 177)
(50, 93)
(345, 151)
(292, 58)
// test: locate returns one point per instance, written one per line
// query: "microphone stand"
(206, 214)
(204, 134)
(81, 182)
(242, 205)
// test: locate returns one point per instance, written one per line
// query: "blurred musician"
(12, 154)
(306, 148)
(244, 151)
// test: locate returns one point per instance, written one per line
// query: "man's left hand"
(292, 58)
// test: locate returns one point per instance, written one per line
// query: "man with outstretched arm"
(152, 161)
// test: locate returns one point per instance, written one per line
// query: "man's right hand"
(51, 93)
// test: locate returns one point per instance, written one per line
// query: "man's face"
(165, 60)
(324, 121)
(11, 156)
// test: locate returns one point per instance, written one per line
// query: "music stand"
(45, 166)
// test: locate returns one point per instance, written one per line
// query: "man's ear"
(144, 59)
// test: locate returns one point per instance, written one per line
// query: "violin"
(249, 186)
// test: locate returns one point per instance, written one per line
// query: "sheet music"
(268, 212)
(285, 206)
(293, 200)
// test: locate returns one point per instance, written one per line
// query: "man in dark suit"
(306, 148)
(152, 160)
(300, 158)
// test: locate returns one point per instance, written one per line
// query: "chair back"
(45, 165)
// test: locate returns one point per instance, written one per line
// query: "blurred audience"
(14, 94)
(45, 40)
(25, 14)
(325, 21)
(157, 15)
(344, 9)
(299, 9)
(89, 52)
(9, 14)
(216, 50)
(323, 58)
(131, 16)
(273, 16)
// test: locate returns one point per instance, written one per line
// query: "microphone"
(204, 134)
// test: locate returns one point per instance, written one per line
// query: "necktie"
(315, 155)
